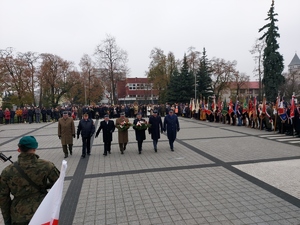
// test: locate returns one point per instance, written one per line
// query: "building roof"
(246, 85)
(137, 80)
(295, 60)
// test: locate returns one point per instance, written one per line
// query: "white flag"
(48, 211)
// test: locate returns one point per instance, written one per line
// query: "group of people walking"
(86, 129)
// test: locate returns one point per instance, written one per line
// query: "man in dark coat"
(108, 127)
(156, 128)
(87, 129)
(140, 134)
(171, 125)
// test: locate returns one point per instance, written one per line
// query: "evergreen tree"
(273, 60)
(173, 87)
(204, 80)
(181, 85)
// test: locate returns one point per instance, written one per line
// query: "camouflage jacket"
(26, 197)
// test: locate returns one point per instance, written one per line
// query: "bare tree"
(258, 51)
(90, 79)
(222, 75)
(112, 63)
(240, 80)
(57, 77)
(292, 84)
(31, 60)
(14, 73)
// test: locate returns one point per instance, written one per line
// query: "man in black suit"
(156, 128)
(108, 127)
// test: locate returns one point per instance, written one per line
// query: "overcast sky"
(71, 28)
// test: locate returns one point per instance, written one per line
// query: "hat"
(28, 142)
(122, 114)
(171, 110)
(139, 114)
(154, 111)
(65, 113)
(106, 115)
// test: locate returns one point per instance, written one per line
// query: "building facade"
(138, 90)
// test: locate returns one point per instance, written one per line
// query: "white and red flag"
(292, 110)
(48, 211)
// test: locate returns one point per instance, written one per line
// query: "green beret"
(28, 142)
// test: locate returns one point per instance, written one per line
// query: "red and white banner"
(48, 211)
(292, 110)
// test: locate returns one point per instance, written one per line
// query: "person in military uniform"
(122, 135)
(27, 196)
(156, 128)
(108, 127)
(140, 135)
(66, 132)
(86, 127)
(171, 125)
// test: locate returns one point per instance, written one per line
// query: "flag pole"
(276, 107)
(262, 112)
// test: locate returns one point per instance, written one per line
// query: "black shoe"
(83, 156)
(122, 152)
(155, 149)
(66, 156)
(172, 149)
(71, 152)
(89, 154)
(109, 152)
(104, 154)
(124, 148)
(140, 152)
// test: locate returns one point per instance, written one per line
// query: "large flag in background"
(224, 111)
(235, 106)
(197, 106)
(193, 104)
(254, 106)
(292, 110)
(48, 211)
(245, 106)
(264, 105)
(230, 108)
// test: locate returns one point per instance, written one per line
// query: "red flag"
(254, 106)
(264, 105)
(230, 110)
(48, 211)
(292, 110)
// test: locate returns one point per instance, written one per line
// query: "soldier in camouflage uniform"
(27, 197)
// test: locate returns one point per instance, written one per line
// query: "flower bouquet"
(142, 125)
(124, 126)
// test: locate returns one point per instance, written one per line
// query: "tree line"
(177, 80)
(30, 78)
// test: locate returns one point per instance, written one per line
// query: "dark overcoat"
(140, 135)
(171, 125)
(107, 129)
(156, 127)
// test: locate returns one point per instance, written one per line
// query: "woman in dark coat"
(155, 129)
(140, 134)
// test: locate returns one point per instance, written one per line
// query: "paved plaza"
(218, 174)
